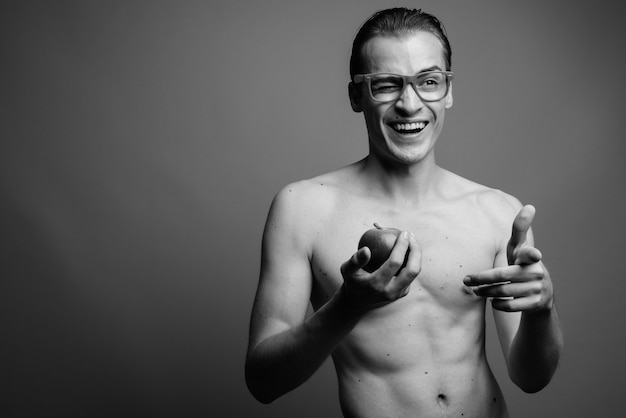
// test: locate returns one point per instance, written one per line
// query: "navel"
(442, 400)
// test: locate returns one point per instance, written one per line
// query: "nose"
(409, 102)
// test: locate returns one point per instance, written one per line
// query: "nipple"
(467, 290)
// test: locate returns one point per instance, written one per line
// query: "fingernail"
(467, 280)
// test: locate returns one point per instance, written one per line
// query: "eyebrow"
(422, 71)
(432, 68)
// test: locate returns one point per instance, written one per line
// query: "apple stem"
(377, 226)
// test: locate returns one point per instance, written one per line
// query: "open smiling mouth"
(408, 128)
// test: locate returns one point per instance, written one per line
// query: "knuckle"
(412, 271)
(536, 288)
(378, 287)
(536, 274)
(394, 264)
(394, 291)
(389, 293)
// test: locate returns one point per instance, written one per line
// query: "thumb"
(521, 225)
(356, 262)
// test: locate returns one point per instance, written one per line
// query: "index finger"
(494, 276)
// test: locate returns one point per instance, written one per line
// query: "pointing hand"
(523, 285)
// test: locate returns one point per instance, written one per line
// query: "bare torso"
(423, 355)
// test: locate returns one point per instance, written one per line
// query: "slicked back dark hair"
(398, 22)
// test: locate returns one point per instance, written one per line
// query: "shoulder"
(299, 207)
(494, 204)
(303, 197)
(497, 203)
(314, 196)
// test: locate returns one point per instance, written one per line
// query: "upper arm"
(285, 281)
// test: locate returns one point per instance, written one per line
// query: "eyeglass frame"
(406, 79)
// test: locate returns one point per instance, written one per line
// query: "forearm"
(535, 350)
(283, 361)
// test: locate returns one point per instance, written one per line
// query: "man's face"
(391, 126)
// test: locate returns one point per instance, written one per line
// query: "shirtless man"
(411, 344)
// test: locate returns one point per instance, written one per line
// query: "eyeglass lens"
(388, 87)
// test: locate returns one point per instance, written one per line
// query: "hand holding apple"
(382, 269)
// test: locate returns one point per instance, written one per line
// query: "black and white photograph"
(364, 209)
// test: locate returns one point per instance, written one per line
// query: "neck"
(405, 184)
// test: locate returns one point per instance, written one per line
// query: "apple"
(380, 241)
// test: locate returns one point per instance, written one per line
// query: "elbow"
(532, 387)
(260, 395)
(533, 376)
(533, 381)
(257, 387)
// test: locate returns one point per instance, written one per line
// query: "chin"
(412, 159)
(409, 152)
(406, 157)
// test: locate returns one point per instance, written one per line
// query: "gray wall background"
(142, 142)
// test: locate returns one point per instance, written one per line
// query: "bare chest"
(454, 243)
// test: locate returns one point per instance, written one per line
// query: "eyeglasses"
(430, 86)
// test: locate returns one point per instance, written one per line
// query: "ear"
(355, 97)
(449, 99)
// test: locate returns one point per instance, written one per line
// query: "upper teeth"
(409, 126)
